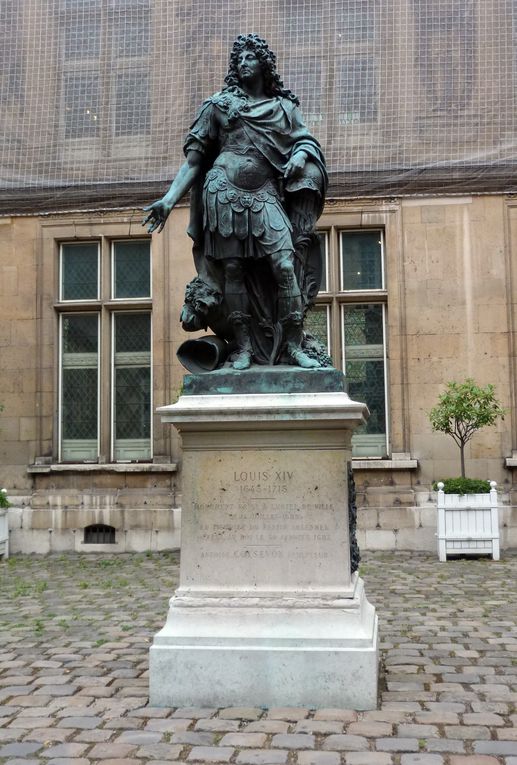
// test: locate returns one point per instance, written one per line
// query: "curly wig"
(273, 85)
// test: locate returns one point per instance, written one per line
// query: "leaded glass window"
(131, 269)
(317, 323)
(79, 386)
(357, 90)
(361, 260)
(132, 386)
(364, 362)
(81, 105)
(80, 271)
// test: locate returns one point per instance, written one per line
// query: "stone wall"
(451, 294)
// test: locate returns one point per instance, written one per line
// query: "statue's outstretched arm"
(159, 211)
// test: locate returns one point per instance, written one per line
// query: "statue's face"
(248, 66)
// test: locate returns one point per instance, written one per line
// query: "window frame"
(99, 272)
(61, 316)
(105, 307)
(336, 299)
(113, 315)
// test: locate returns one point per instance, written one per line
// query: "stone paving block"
(409, 730)
(293, 741)
(19, 749)
(495, 747)
(508, 734)
(474, 760)
(94, 736)
(267, 726)
(370, 729)
(318, 726)
(166, 752)
(436, 717)
(64, 750)
(252, 740)
(117, 761)
(195, 713)
(368, 758)
(47, 734)
(123, 723)
(28, 723)
(151, 712)
(192, 738)
(343, 715)
(291, 714)
(241, 713)
(139, 737)
(217, 725)
(467, 732)
(421, 759)
(262, 757)
(318, 758)
(169, 725)
(73, 761)
(210, 754)
(106, 751)
(79, 722)
(21, 761)
(345, 743)
(396, 744)
(444, 745)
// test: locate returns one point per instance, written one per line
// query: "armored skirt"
(243, 223)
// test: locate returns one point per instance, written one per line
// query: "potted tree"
(467, 509)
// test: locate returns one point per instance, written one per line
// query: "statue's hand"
(158, 214)
(295, 165)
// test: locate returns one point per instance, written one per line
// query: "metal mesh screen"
(405, 96)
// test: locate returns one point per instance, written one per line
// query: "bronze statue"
(257, 179)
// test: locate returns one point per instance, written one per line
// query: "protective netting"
(405, 96)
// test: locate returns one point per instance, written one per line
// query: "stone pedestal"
(267, 612)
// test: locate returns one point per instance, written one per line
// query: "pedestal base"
(313, 654)
(268, 612)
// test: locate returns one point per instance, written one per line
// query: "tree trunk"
(462, 457)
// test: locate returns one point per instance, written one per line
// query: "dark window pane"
(365, 382)
(316, 322)
(356, 21)
(79, 396)
(303, 77)
(82, 32)
(79, 271)
(361, 260)
(132, 264)
(131, 29)
(132, 106)
(81, 105)
(80, 333)
(358, 90)
(364, 362)
(363, 326)
(132, 402)
(132, 333)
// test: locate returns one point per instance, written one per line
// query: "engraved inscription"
(259, 524)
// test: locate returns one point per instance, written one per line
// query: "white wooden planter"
(468, 524)
(4, 533)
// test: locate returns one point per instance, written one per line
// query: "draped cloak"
(272, 127)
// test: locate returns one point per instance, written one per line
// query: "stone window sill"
(400, 463)
(119, 467)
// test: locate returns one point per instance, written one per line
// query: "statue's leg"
(237, 303)
(290, 308)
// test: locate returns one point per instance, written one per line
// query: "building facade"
(415, 107)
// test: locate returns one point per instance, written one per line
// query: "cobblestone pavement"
(74, 638)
